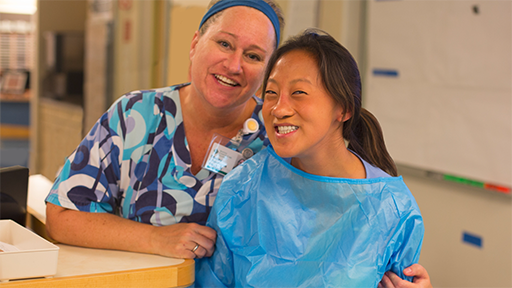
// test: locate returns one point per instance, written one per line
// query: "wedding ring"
(195, 248)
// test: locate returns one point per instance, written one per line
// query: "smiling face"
(229, 59)
(301, 118)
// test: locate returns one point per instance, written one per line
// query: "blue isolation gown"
(278, 226)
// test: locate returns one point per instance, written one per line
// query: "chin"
(283, 152)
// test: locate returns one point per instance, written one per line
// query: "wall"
(98, 76)
(51, 15)
(61, 125)
(125, 51)
(185, 18)
(133, 46)
(454, 35)
(451, 209)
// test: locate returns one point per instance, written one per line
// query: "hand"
(178, 240)
(420, 280)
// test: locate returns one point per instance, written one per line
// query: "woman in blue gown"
(311, 211)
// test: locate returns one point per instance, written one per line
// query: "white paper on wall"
(439, 81)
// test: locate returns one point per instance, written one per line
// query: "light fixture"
(18, 6)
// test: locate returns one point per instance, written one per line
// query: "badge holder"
(222, 155)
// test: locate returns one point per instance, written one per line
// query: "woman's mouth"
(226, 81)
(285, 129)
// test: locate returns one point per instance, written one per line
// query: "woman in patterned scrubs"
(142, 161)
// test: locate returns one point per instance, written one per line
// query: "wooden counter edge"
(182, 275)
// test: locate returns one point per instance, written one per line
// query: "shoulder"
(374, 172)
(156, 95)
(238, 181)
(258, 107)
(247, 171)
(149, 103)
(398, 194)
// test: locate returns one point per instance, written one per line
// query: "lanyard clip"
(250, 126)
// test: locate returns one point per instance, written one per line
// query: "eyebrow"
(252, 46)
(293, 81)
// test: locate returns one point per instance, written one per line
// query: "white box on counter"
(34, 255)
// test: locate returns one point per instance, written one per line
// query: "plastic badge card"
(220, 158)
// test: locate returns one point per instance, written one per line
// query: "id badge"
(221, 158)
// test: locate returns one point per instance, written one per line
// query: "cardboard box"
(36, 256)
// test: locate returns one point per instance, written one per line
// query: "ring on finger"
(195, 248)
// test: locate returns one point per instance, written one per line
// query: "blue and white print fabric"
(135, 162)
(286, 228)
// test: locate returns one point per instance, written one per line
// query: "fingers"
(421, 277)
(385, 282)
(416, 270)
(206, 232)
(200, 252)
(178, 240)
(192, 250)
(396, 281)
(205, 237)
(201, 236)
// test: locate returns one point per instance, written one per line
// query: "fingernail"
(407, 270)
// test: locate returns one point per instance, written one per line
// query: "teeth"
(286, 129)
(225, 81)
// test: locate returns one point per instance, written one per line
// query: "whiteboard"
(438, 79)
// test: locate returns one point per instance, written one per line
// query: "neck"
(336, 162)
(209, 120)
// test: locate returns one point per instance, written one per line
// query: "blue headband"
(263, 6)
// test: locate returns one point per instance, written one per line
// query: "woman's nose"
(234, 63)
(283, 107)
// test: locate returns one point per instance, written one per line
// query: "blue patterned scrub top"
(135, 162)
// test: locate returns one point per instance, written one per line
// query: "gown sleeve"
(405, 244)
(218, 270)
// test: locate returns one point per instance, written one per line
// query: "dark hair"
(341, 79)
(272, 4)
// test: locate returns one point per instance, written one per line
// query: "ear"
(192, 51)
(347, 116)
(342, 115)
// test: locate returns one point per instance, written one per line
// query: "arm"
(94, 180)
(218, 270)
(108, 231)
(421, 278)
(407, 241)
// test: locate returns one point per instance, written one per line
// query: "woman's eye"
(270, 93)
(299, 92)
(224, 44)
(254, 57)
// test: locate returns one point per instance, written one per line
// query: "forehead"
(298, 62)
